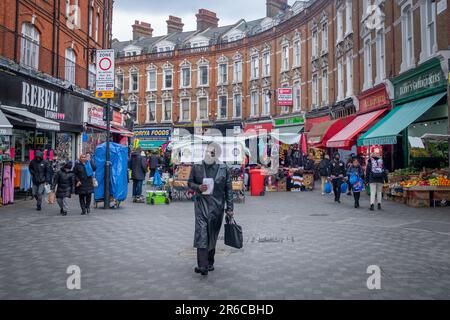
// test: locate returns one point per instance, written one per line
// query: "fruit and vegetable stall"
(427, 188)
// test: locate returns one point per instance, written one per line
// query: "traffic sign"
(105, 74)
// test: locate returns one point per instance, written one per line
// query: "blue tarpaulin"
(119, 171)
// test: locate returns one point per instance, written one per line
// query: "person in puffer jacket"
(40, 176)
(64, 184)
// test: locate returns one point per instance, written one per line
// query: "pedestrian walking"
(153, 163)
(64, 186)
(324, 171)
(138, 166)
(40, 172)
(84, 182)
(348, 165)
(376, 176)
(355, 175)
(211, 180)
(338, 173)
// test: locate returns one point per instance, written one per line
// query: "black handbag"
(233, 234)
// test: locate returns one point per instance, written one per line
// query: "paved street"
(297, 246)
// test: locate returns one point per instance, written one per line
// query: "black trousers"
(357, 196)
(337, 189)
(85, 201)
(205, 257)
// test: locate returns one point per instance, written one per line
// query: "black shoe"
(356, 206)
(38, 208)
(379, 206)
(83, 213)
(372, 207)
(210, 268)
(61, 211)
(88, 210)
(349, 194)
(202, 271)
(64, 213)
(338, 201)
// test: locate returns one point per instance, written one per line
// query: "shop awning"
(287, 135)
(345, 139)
(103, 128)
(386, 131)
(321, 132)
(124, 132)
(25, 117)
(151, 144)
(5, 126)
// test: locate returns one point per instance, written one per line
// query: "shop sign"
(420, 81)
(259, 127)
(285, 97)
(117, 119)
(95, 116)
(289, 121)
(153, 134)
(375, 101)
(41, 99)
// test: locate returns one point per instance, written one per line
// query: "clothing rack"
(2, 166)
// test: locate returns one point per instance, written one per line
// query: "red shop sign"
(259, 127)
(374, 100)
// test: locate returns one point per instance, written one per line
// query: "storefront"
(420, 109)
(44, 117)
(288, 131)
(5, 137)
(258, 142)
(373, 104)
(95, 128)
(152, 139)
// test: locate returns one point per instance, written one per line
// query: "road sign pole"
(108, 160)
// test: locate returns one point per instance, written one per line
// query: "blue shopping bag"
(328, 188)
(89, 170)
(157, 181)
(344, 187)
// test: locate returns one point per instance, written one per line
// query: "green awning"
(386, 131)
(151, 144)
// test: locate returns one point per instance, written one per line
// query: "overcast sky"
(156, 13)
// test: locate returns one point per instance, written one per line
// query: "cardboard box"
(184, 172)
(282, 185)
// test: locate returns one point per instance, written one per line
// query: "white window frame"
(165, 73)
(325, 85)
(428, 20)
(368, 77)
(266, 64)
(324, 38)
(200, 76)
(255, 67)
(381, 56)
(315, 91)
(130, 89)
(297, 53)
(147, 114)
(164, 119)
(120, 76)
(92, 76)
(182, 84)
(91, 21)
(266, 104)
(222, 79)
(340, 80)
(285, 58)
(254, 103)
(29, 55)
(97, 22)
(348, 17)
(149, 82)
(182, 111)
(296, 91)
(219, 106)
(199, 105)
(315, 44)
(238, 71)
(70, 66)
(407, 41)
(340, 26)
(235, 115)
(349, 74)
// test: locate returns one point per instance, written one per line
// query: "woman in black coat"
(84, 183)
(64, 184)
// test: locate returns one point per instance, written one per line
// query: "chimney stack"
(206, 19)
(273, 7)
(141, 29)
(174, 24)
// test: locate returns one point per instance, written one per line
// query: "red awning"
(103, 128)
(321, 132)
(346, 138)
(124, 132)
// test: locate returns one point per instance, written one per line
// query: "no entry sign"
(105, 74)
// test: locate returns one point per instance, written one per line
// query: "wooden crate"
(418, 199)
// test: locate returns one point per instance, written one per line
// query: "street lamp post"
(108, 160)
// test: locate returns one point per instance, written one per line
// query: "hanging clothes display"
(25, 178)
(17, 172)
(8, 186)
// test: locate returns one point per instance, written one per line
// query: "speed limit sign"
(104, 85)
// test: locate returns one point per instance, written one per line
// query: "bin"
(256, 183)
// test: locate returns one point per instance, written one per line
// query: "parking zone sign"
(104, 85)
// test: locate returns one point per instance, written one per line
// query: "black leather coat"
(64, 183)
(210, 209)
(87, 183)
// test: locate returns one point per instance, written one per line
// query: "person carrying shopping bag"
(355, 174)
(376, 176)
(63, 186)
(84, 182)
(338, 174)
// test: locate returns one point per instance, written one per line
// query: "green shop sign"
(289, 121)
(427, 79)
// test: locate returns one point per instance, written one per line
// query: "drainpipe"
(57, 40)
(54, 37)
(16, 31)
